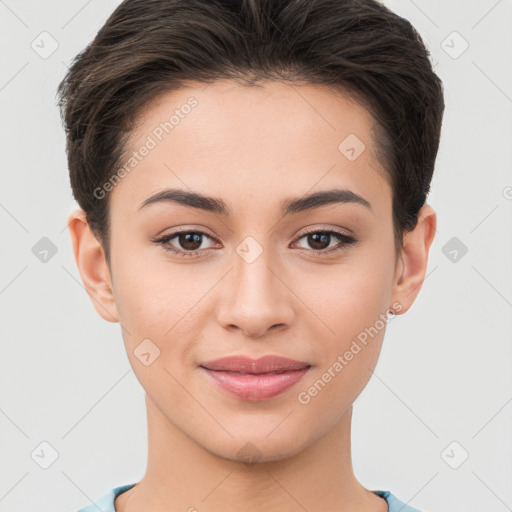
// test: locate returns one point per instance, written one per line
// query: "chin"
(256, 449)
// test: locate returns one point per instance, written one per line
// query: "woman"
(252, 178)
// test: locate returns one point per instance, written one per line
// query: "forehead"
(225, 138)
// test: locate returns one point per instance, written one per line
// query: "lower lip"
(256, 387)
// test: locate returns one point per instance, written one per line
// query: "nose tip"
(252, 330)
(257, 300)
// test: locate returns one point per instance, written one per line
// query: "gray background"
(442, 388)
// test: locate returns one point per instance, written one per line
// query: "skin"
(254, 148)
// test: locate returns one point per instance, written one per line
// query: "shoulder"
(106, 502)
(394, 504)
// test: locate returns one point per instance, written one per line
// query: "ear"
(412, 262)
(92, 265)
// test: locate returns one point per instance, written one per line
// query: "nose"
(255, 298)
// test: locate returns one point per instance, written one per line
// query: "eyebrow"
(217, 205)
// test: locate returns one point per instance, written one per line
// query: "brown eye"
(187, 243)
(320, 240)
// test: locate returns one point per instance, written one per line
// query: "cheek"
(355, 312)
(150, 298)
(157, 305)
(158, 337)
(352, 304)
(348, 298)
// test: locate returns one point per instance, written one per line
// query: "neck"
(181, 475)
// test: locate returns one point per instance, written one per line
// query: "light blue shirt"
(106, 502)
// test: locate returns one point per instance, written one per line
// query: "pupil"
(187, 238)
(313, 240)
(317, 241)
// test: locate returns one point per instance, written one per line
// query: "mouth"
(250, 373)
(246, 365)
(255, 379)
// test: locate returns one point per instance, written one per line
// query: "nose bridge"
(256, 299)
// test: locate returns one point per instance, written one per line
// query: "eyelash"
(345, 241)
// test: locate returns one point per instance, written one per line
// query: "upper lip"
(244, 364)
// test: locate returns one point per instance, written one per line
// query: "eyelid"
(196, 228)
(344, 241)
(317, 229)
(164, 240)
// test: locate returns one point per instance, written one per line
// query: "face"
(243, 276)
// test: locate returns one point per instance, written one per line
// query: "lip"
(244, 364)
(255, 379)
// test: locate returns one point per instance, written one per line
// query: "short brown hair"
(150, 47)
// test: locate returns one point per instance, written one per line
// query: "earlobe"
(413, 260)
(92, 266)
